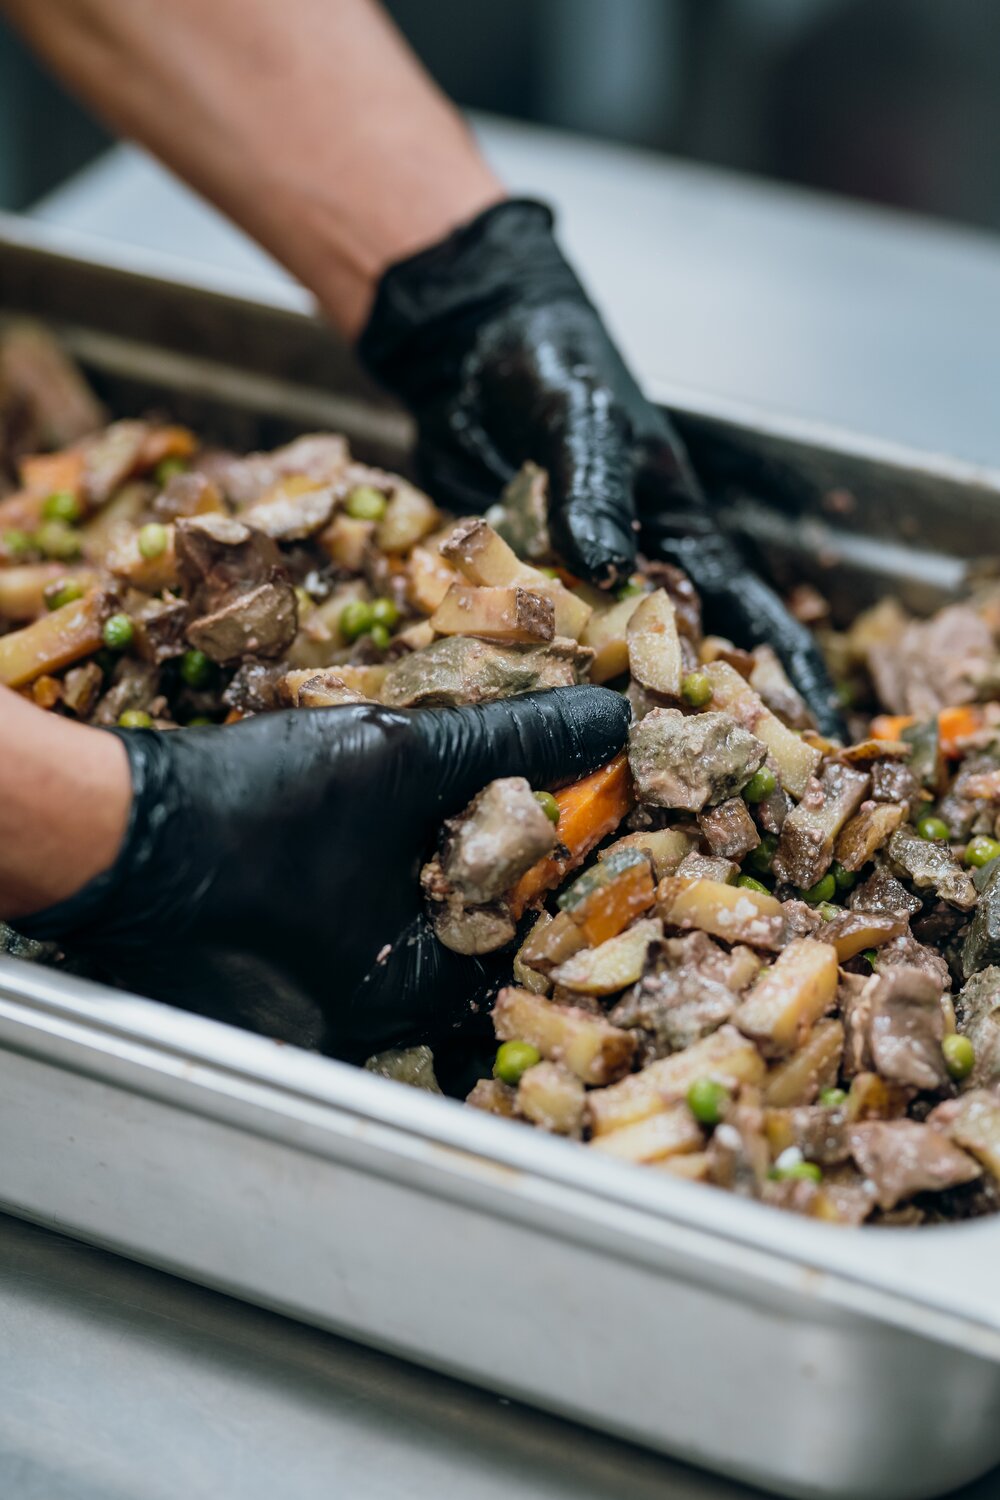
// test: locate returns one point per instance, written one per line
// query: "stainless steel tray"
(806, 1359)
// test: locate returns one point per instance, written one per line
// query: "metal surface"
(813, 1361)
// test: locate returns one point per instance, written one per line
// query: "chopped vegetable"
(930, 827)
(761, 784)
(549, 806)
(153, 540)
(832, 1098)
(981, 850)
(707, 1100)
(696, 690)
(365, 503)
(134, 718)
(498, 614)
(959, 1056)
(790, 996)
(654, 647)
(118, 632)
(356, 619)
(823, 890)
(63, 505)
(514, 1058)
(595, 1051)
(196, 669)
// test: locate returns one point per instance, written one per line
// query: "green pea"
(57, 540)
(549, 805)
(134, 718)
(18, 543)
(761, 857)
(381, 635)
(550, 572)
(365, 503)
(761, 784)
(200, 721)
(806, 1171)
(118, 633)
(66, 591)
(64, 506)
(167, 468)
(153, 540)
(829, 910)
(870, 956)
(981, 850)
(513, 1059)
(824, 890)
(385, 612)
(932, 828)
(959, 1056)
(629, 590)
(845, 694)
(356, 619)
(196, 669)
(748, 883)
(832, 1098)
(304, 599)
(845, 878)
(707, 1100)
(696, 690)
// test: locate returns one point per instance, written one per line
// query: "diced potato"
(319, 636)
(794, 760)
(654, 647)
(115, 519)
(871, 1098)
(22, 588)
(498, 614)
(495, 1098)
(665, 846)
(483, 556)
(605, 634)
(346, 541)
(54, 641)
(526, 977)
(867, 831)
(416, 637)
(589, 1046)
(691, 1168)
(552, 1097)
(612, 965)
(857, 930)
(674, 1132)
(976, 1126)
(551, 942)
(429, 578)
(724, 911)
(324, 689)
(725, 1056)
(815, 1066)
(790, 996)
(409, 516)
(151, 574)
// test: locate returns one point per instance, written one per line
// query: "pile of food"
(740, 953)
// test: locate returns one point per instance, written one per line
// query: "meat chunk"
(982, 945)
(292, 513)
(894, 781)
(930, 866)
(110, 458)
(321, 456)
(678, 1003)
(239, 591)
(460, 669)
(729, 829)
(159, 628)
(904, 951)
(906, 1029)
(262, 622)
(805, 848)
(901, 1158)
(979, 1012)
(254, 688)
(691, 761)
(135, 685)
(188, 494)
(502, 833)
(866, 833)
(818, 1132)
(943, 661)
(882, 892)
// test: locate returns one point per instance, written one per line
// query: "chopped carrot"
(45, 473)
(165, 442)
(612, 907)
(46, 691)
(890, 726)
(956, 724)
(233, 716)
(588, 811)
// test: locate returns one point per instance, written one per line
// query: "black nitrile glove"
(492, 343)
(269, 875)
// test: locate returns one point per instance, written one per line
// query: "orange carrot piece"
(890, 726)
(588, 811)
(44, 473)
(165, 442)
(610, 909)
(956, 724)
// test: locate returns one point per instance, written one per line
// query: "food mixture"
(741, 954)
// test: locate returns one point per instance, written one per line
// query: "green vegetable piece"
(981, 850)
(200, 721)
(931, 828)
(62, 505)
(381, 635)
(57, 540)
(805, 1170)
(845, 694)
(118, 633)
(832, 1098)
(18, 543)
(134, 718)
(66, 591)
(871, 957)
(386, 612)
(153, 540)
(696, 690)
(824, 890)
(761, 857)
(761, 784)
(748, 883)
(550, 572)
(829, 910)
(167, 468)
(513, 1059)
(365, 503)
(707, 1100)
(629, 590)
(549, 805)
(959, 1056)
(356, 619)
(196, 669)
(845, 878)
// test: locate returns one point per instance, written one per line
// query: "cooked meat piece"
(707, 867)
(973, 1122)
(738, 1155)
(27, 949)
(189, 494)
(801, 919)
(901, 1158)
(43, 392)
(979, 1018)
(110, 458)
(773, 810)
(691, 761)
(849, 1196)
(82, 688)
(323, 689)
(495, 1098)
(254, 687)
(818, 1132)
(472, 930)
(854, 931)
(906, 1028)
(930, 866)
(262, 622)
(894, 781)
(770, 681)
(794, 1197)
(293, 516)
(460, 669)
(729, 829)
(904, 951)
(854, 1000)
(937, 926)
(960, 808)
(499, 836)
(135, 685)
(883, 892)
(982, 944)
(220, 558)
(320, 456)
(159, 629)
(866, 833)
(805, 848)
(522, 515)
(936, 663)
(675, 1006)
(734, 967)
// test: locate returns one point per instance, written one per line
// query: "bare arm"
(64, 799)
(309, 122)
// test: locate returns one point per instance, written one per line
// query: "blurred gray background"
(893, 101)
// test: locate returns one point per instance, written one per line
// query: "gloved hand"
(492, 343)
(269, 874)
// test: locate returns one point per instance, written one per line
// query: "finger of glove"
(587, 450)
(550, 738)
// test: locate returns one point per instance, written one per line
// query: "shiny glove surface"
(492, 343)
(269, 875)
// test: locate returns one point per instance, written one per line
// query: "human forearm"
(64, 800)
(310, 123)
